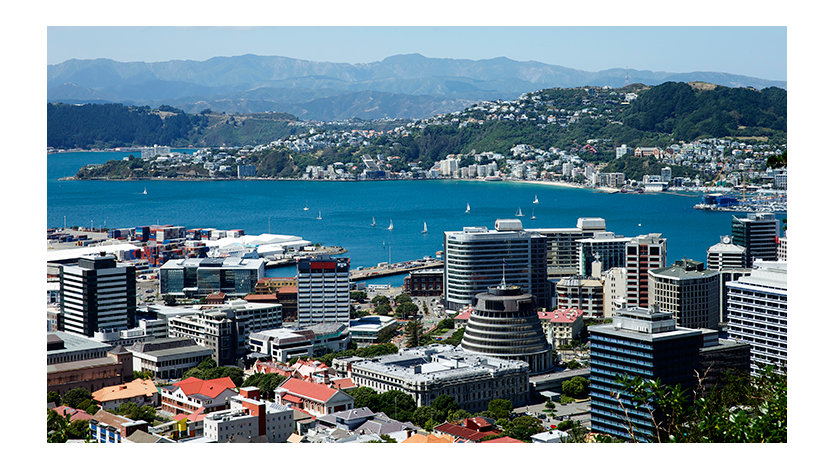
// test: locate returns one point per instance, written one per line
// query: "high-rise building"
(197, 277)
(614, 291)
(323, 290)
(782, 250)
(642, 254)
(757, 313)
(641, 343)
(505, 324)
(563, 245)
(725, 255)
(477, 258)
(689, 291)
(666, 174)
(97, 294)
(759, 234)
(582, 293)
(607, 248)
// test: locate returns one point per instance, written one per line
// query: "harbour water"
(347, 209)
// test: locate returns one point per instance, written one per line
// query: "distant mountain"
(401, 86)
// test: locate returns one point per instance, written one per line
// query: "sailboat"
(467, 208)
(391, 225)
(305, 206)
(145, 191)
(533, 216)
(425, 228)
(319, 217)
(518, 213)
(373, 222)
(536, 200)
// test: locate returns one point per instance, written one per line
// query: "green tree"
(576, 387)
(57, 427)
(169, 300)
(427, 417)
(396, 404)
(380, 299)
(402, 298)
(53, 397)
(406, 310)
(358, 295)
(458, 415)
(135, 412)
(74, 397)
(500, 408)
(523, 427)
(413, 332)
(382, 309)
(79, 429)
(445, 405)
(364, 397)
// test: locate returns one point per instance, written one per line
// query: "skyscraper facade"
(323, 290)
(477, 258)
(689, 291)
(642, 254)
(758, 233)
(96, 295)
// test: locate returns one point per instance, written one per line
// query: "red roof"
(562, 315)
(288, 290)
(464, 315)
(257, 297)
(340, 384)
(210, 388)
(196, 416)
(462, 432)
(314, 391)
(72, 413)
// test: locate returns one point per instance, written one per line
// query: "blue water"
(347, 207)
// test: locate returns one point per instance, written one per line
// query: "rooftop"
(138, 387)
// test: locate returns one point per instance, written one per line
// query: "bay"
(346, 208)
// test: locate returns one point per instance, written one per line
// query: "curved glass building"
(505, 324)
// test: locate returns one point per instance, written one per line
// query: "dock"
(326, 250)
(392, 269)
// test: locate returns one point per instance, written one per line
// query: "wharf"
(326, 250)
(392, 269)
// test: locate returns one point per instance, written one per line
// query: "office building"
(477, 258)
(168, 358)
(757, 313)
(424, 283)
(759, 234)
(643, 253)
(666, 174)
(585, 294)
(605, 247)
(782, 249)
(688, 290)
(283, 344)
(97, 294)
(640, 342)
(427, 372)
(371, 329)
(614, 291)
(504, 324)
(323, 290)
(75, 361)
(562, 326)
(198, 277)
(726, 255)
(249, 418)
(563, 245)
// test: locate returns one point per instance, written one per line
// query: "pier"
(384, 269)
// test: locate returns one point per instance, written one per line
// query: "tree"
(78, 429)
(500, 408)
(358, 295)
(549, 404)
(364, 397)
(407, 310)
(74, 397)
(53, 397)
(445, 405)
(380, 299)
(396, 404)
(266, 383)
(382, 309)
(743, 409)
(523, 427)
(57, 427)
(135, 412)
(413, 332)
(402, 298)
(458, 415)
(427, 417)
(577, 387)
(169, 300)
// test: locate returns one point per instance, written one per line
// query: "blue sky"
(754, 51)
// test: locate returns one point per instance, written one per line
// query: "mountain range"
(402, 86)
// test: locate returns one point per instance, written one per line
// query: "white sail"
(391, 225)
(305, 206)
(425, 228)
(373, 222)
(467, 208)
(533, 216)
(518, 213)
(536, 200)
(145, 191)
(319, 217)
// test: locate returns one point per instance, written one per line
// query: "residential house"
(191, 394)
(105, 427)
(313, 398)
(139, 391)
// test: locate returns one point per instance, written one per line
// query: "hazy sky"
(754, 51)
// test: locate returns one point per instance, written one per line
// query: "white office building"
(757, 313)
(97, 294)
(323, 290)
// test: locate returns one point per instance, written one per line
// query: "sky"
(745, 50)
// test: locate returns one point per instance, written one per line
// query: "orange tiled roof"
(429, 439)
(210, 388)
(503, 439)
(138, 387)
(340, 384)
